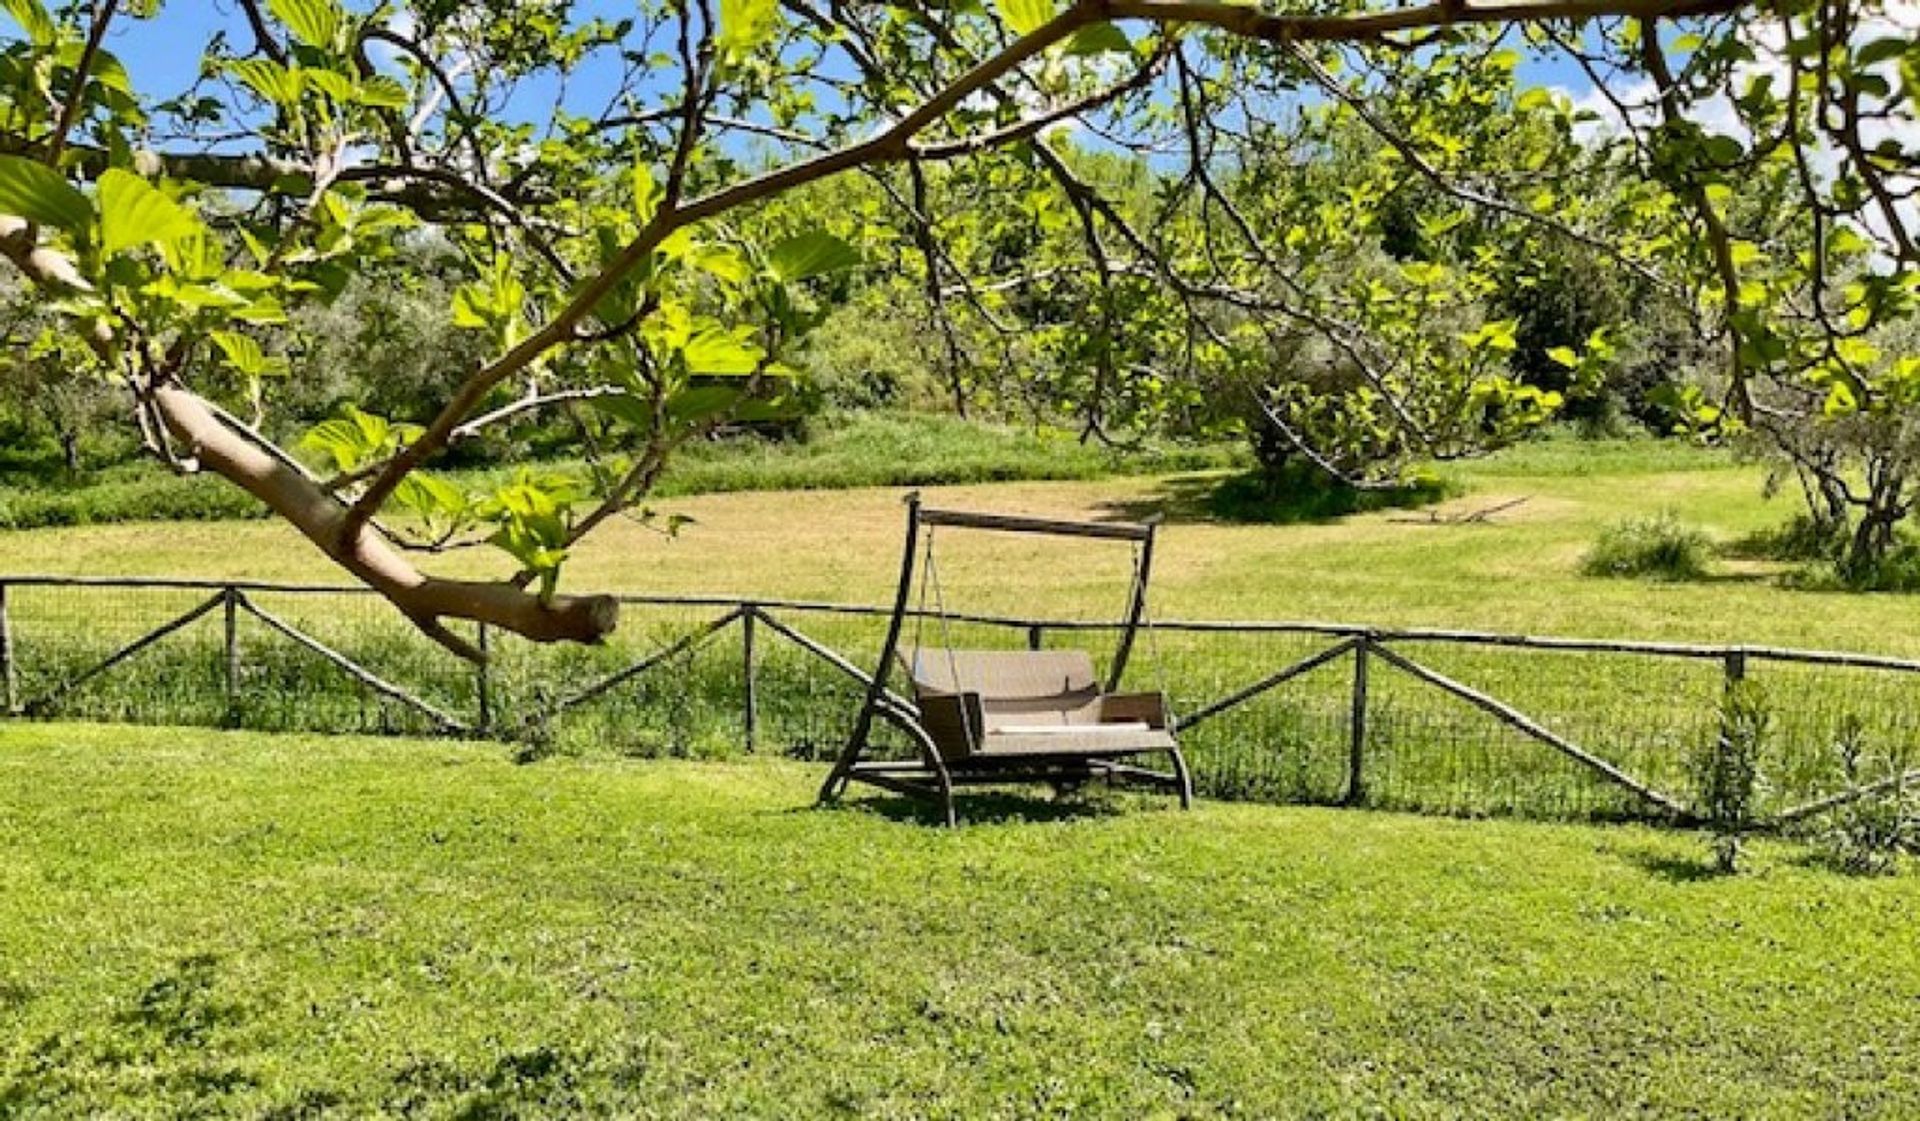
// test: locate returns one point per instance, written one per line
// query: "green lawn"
(194, 922)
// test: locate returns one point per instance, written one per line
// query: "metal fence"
(1433, 720)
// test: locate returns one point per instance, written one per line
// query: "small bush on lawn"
(1868, 835)
(1726, 771)
(1660, 547)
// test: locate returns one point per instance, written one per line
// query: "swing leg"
(838, 779)
(1183, 778)
(940, 775)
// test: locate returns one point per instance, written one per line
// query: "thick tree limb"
(306, 504)
(1250, 22)
(427, 600)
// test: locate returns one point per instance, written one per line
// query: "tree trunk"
(1871, 541)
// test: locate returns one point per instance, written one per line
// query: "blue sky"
(163, 54)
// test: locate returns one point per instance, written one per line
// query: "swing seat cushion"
(1030, 704)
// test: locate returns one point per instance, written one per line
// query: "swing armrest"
(954, 721)
(1123, 708)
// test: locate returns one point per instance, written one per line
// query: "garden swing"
(983, 717)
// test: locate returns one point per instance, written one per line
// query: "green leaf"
(335, 85)
(270, 80)
(1564, 356)
(722, 262)
(702, 403)
(382, 92)
(241, 351)
(429, 495)
(1101, 38)
(647, 193)
(1023, 17)
(110, 72)
(815, 253)
(1725, 150)
(133, 213)
(267, 311)
(627, 408)
(1881, 50)
(467, 302)
(34, 20)
(1840, 401)
(746, 25)
(718, 352)
(40, 194)
(757, 409)
(1497, 335)
(339, 439)
(1535, 98)
(314, 22)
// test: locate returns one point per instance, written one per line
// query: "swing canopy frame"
(992, 717)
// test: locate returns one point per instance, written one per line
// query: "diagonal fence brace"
(1521, 722)
(833, 658)
(1272, 680)
(40, 705)
(678, 646)
(1845, 797)
(352, 668)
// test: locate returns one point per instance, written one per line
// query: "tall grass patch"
(1656, 547)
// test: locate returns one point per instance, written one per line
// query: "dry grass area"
(1518, 571)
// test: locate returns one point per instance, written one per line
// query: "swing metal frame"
(950, 720)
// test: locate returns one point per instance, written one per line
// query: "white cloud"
(1633, 101)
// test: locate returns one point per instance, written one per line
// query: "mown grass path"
(195, 922)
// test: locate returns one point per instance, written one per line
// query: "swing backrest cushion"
(1016, 687)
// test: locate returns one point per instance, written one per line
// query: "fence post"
(1734, 663)
(749, 703)
(483, 683)
(1036, 636)
(230, 603)
(8, 686)
(1357, 724)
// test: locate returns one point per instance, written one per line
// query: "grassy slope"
(196, 922)
(1520, 572)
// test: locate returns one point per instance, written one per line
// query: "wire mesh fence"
(1434, 721)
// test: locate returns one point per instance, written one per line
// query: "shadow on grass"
(1260, 498)
(541, 1081)
(988, 808)
(1673, 869)
(1708, 578)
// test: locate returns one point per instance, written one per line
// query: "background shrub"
(1660, 547)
